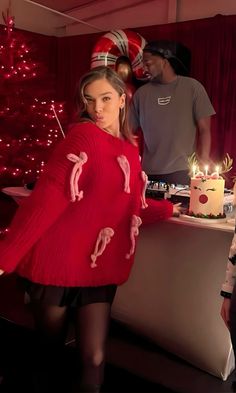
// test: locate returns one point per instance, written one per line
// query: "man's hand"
(177, 209)
(1, 272)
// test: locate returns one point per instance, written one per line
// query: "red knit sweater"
(80, 224)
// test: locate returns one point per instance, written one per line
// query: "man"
(170, 108)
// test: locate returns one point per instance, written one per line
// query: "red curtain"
(73, 60)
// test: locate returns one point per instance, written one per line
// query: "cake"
(207, 197)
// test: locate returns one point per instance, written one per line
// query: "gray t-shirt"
(168, 114)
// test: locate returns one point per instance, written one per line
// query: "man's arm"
(133, 114)
(204, 129)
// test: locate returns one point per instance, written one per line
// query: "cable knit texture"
(62, 237)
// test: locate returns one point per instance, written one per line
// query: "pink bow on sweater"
(134, 231)
(124, 164)
(143, 199)
(75, 174)
(103, 239)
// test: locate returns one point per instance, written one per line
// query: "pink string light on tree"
(29, 127)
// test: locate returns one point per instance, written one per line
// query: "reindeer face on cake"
(206, 198)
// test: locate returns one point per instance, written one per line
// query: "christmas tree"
(30, 124)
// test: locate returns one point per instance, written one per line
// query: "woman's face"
(103, 105)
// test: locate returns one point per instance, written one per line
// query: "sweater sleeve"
(157, 210)
(42, 208)
(230, 276)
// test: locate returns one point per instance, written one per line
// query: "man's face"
(153, 65)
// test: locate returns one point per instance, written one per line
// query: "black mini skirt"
(69, 296)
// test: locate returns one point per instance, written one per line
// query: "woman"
(73, 239)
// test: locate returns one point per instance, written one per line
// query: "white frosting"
(206, 196)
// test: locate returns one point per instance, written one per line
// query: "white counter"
(228, 225)
(172, 296)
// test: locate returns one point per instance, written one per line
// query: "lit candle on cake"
(217, 171)
(194, 167)
(206, 170)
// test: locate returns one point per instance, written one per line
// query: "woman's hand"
(1, 272)
(225, 311)
(177, 209)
